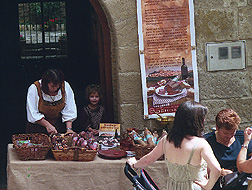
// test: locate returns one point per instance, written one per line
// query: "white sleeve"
(69, 112)
(32, 101)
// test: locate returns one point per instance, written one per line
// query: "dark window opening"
(42, 28)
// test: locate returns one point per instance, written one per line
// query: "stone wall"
(215, 21)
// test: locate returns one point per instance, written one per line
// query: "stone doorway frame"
(104, 47)
(121, 19)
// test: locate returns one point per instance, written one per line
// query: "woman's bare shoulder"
(201, 142)
(193, 142)
(197, 139)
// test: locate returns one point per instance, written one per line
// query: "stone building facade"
(215, 21)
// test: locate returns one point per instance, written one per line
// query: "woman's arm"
(49, 127)
(213, 165)
(69, 112)
(244, 165)
(69, 127)
(150, 158)
(32, 101)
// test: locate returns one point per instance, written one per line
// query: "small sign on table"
(109, 135)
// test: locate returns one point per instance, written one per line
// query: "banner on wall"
(167, 55)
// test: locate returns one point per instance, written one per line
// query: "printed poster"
(167, 55)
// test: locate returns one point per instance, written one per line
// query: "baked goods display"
(74, 147)
(83, 140)
(84, 146)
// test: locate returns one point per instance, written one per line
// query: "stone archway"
(126, 75)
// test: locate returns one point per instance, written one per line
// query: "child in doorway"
(94, 113)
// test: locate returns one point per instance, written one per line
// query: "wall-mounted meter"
(225, 55)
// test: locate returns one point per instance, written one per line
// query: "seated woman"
(243, 164)
(185, 152)
(226, 141)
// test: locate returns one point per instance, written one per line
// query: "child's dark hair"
(92, 88)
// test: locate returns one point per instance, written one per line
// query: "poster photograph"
(167, 55)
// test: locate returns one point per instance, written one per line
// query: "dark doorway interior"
(81, 67)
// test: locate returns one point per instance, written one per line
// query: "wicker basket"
(32, 152)
(74, 154)
(143, 150)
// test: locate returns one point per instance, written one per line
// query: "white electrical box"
(225, 55)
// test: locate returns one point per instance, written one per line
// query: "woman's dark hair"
(52, 75)
(92, 88)
(189, 121)
(227, 119)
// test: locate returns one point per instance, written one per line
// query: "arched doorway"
(88, 59)
(87, 27)
(90, 54)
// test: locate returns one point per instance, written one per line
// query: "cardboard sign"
(109, 135)
(109, 130)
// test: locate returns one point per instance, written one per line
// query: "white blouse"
(69, 112)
